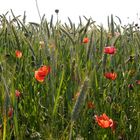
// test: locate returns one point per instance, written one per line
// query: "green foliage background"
(48, 110)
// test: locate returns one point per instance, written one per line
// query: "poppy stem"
(38, 9)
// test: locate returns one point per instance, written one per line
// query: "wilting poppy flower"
(90, 105)
(41, 73)
(104, 121)
(10, 112)
(18, 54)
(110, 50)
(17, 93)
(85, 40)
(111, 75)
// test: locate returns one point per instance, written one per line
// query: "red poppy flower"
(104, 121)
(10, 112)
(85, 40)
(110, 50)
(18, 54)
(111, 75)
(17, 93)
(41, 73)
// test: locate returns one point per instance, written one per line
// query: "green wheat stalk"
(78, 104)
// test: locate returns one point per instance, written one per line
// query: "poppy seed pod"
(56, 11)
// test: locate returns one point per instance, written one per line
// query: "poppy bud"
(18, 54)
(85, 40)
(10, 112)
(131, 86)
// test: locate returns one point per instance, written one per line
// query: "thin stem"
(38, 9)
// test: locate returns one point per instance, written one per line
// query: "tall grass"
(58, 107)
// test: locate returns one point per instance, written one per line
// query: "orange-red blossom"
(110, 50)
(104, 121)
(85, 40)
(18, 54)
(41, 73)
(110, 75)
